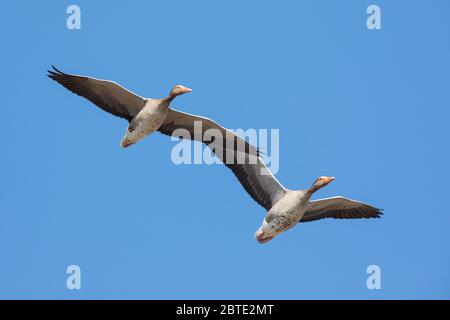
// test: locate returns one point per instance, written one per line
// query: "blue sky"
(369, 107)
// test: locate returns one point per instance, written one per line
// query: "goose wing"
(259, 182)
(197, 126)
(107, 95)
(246, 164)
(339, 208)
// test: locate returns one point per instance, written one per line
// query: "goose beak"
(186, 90)
(329, 179)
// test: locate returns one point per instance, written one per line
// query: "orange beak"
(329, 179)
(186, 90)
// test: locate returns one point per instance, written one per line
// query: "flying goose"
(145, 115)
(286, 208)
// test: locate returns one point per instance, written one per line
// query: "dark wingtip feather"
(56, 69)
(378, 214)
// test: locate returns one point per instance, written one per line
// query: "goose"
(286, 208)
(144, 115)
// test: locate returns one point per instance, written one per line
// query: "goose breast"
(148, 120)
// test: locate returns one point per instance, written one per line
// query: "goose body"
(147, 121)
(285, 214)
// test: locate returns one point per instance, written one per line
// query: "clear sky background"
(369, 107)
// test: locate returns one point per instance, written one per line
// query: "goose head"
(321, 182)
(178, 90)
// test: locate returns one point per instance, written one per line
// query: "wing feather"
(235, 153)
(339, 208)
(107, 95)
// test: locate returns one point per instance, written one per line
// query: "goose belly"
(287, 212)
(145, 124)
(149, 125)
(285, 220)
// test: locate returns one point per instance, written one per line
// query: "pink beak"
(186, 90)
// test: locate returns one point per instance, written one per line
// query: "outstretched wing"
(197, 126)
(339, 208)
(237, 154)
(107, 95)
(259, 182)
